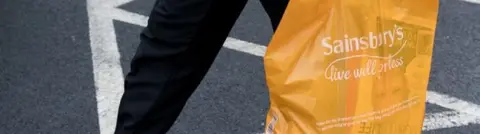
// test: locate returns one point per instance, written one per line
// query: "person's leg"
(275, 10)
(176, 50)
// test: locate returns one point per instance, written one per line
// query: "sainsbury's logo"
(372, 41)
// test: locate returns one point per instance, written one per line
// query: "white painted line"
(246, 47)
(115, 3)
(129, 17)
(473, 1)
(453, 103)
(448, 119)
(107, 69)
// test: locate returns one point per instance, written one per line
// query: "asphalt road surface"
(48, 69)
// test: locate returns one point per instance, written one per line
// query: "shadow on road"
(46, 79)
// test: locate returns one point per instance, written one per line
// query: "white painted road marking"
(453, 103)
(473, 1)
(108, 73)
(448, 119)
(107, 69)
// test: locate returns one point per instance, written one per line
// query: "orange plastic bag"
(350, 67)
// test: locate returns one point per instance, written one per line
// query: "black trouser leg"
(177, 48)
